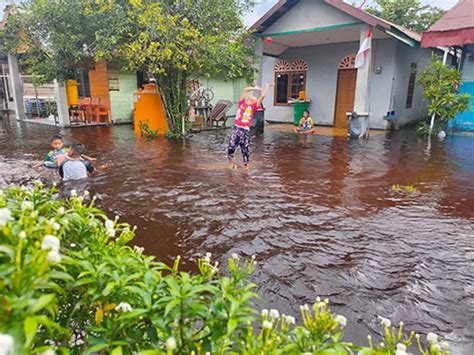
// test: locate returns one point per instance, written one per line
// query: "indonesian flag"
(364, 48)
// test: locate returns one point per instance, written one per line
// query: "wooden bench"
(218, 115)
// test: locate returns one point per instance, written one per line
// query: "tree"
(409, 13)
(441, 87)
(172, 41)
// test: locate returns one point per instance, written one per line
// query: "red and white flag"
(364, 48)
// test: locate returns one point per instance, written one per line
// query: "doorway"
(345, 94)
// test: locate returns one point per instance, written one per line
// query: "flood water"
(318, 212)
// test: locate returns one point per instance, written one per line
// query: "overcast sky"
(264, 5)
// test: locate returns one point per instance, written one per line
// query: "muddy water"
(317, 212)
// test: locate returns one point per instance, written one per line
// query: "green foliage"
(441, 87)
(409, 189)
(146, 131)
(409, 13)
(172, 41)
(70, 282)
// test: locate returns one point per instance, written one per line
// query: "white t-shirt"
(74, 170)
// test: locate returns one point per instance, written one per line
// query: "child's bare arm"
(88, 158)
(264, 93)
(248, 89)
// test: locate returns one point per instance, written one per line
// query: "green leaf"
(232, 325)
(133, 314)
(42, 302)
(116, 351)
(30, 326)
(97, 347)
(174, 287)
(171, 305)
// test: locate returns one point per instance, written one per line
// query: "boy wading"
(240, 135)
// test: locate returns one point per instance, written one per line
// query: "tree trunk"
(172, 87)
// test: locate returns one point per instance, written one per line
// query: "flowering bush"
(70, 283)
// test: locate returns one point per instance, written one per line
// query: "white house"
(310, 46)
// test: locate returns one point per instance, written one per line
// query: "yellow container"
(72, 92)
(149, 111)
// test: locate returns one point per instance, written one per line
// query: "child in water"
(240, 135)
(74, 167)
(56, 155)
(306, 124)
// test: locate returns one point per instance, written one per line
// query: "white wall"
(321, 81)
(310, 14)
(405, 55)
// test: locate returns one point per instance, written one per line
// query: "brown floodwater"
(317, 212)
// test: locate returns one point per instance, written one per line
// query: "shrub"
(70, 283)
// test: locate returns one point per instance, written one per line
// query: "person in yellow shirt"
(306, 125)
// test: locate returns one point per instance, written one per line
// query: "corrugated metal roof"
(455, 28)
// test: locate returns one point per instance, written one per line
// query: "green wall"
(122, 101)
(225, 90)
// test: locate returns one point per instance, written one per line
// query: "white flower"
(6, 344)
(50, 242)
(290, 319)
(267, 324)
(318, 299)
(385, 322)
(109, 224)
(73, 245)
(5, 216)
(61, 210)
(171, 344)
(432, 337)
(326, 300)
(138, 250)
(274, 314)
(111, 232)
(264, 313)
(27, 205)
(24, 188)
(56, 226)
(22, 235)
(86, 193)
(65, 221)
(235, 256)
(400, 352)
(401, 347)
(124, 307)
(341, 320)
(73, 193)
(53, 257)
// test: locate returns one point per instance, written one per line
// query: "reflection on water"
(318, 213)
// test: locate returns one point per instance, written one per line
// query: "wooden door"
(346, 83)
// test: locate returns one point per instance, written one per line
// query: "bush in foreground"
(70, 284)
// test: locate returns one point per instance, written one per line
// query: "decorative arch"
(282, 65)
(299, 65)
(348, 62)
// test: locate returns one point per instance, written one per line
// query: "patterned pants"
(239, 137)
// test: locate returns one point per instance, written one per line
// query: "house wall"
(121, 101)
(225, 90)
(406, 55)
(465, 121)
(303, 16)
(321, 81)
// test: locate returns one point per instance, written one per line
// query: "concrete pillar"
(259, 63)
(16, 87)
(361, 102)
(61, 103)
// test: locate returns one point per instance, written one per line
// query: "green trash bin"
(299, 107)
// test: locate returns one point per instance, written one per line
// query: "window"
(411, 86)
(83, 84)
(289, 80)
